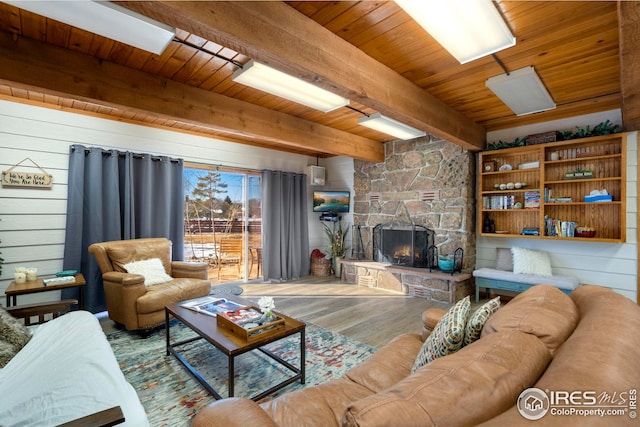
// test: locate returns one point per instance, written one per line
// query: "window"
(223, 221)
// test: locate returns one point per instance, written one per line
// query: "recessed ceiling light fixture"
(390, 126)
(522, 91)
(267, 79)
(468, 29)
(105, 19)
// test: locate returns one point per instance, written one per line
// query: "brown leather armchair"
(129, 301)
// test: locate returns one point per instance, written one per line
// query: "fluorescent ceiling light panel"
(267, 79)
(522, 91)
(468, 29)
(390, 126)
(106, 19)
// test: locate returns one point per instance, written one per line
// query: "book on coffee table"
(211, 305)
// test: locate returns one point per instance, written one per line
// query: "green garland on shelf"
(604, 128)
(518, 142)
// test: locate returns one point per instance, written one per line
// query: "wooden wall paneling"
(58, 191)
(33, 238)
(31, 206)
(605, 264)
(33, 221)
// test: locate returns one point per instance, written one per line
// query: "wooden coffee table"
(232, 345)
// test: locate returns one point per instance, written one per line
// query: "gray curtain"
(285, 234)
(116, 195)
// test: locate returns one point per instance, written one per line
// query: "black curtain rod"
(108, 152)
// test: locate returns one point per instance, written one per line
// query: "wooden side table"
(54, 308)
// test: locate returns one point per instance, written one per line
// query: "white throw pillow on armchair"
(527, 261)
(152, 270)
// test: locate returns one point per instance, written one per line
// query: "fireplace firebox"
(403, 243)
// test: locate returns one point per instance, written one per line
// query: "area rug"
(171, 396)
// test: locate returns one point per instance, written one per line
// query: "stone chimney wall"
(425, 181)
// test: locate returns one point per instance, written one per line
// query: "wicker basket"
(320, 267)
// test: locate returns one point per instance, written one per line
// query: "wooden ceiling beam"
(33, 65)
(629, 25)
(276, 34)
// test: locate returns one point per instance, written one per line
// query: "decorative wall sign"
(11, 178)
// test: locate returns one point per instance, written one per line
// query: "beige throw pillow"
(504, 259)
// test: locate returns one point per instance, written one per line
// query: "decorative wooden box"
(541, 138)
(253, 333)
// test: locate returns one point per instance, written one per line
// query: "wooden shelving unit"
(507, 197)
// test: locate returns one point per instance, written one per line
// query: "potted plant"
(337, 236)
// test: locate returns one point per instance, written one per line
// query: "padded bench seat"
(491, 278)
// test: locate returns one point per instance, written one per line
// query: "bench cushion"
(562, 282)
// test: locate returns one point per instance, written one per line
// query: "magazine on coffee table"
(245, 316)
(211, 305)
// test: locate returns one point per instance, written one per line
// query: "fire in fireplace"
(402, 243)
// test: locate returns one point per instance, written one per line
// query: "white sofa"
(65, 372)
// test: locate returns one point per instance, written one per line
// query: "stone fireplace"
(426, 183)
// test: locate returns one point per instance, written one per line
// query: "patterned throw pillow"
(447, 336)
(476, 321)
(13, 334)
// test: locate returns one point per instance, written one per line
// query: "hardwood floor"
(371, 316)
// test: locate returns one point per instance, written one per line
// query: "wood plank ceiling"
(369, 51)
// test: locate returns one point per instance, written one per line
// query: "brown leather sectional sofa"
(581, 351)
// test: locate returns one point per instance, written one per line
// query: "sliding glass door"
(223, 222)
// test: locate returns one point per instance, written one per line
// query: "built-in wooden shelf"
(546, 169)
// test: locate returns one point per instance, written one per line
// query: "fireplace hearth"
(404, 244)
